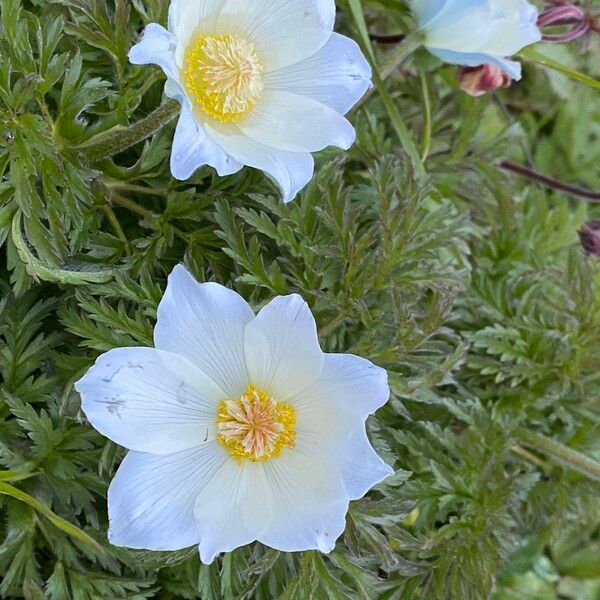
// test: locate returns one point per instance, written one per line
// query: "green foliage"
(468, 286)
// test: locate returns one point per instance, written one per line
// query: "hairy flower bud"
(477, 81)
(589, 235)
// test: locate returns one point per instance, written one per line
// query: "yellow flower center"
(255, 427)
(223, 75)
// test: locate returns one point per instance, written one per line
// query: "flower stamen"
(223, 75)
(255, 427)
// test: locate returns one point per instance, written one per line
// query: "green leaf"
(57, 521)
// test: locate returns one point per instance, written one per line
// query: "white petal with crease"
(282, 347)
(150, 401)
(205, 322)
(151, 498)
(296, 124)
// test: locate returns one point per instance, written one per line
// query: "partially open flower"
(589, 235)
(477, 81)
(478, 32)
(239, 427)
(262, 83)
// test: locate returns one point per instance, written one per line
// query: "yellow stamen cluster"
(223, 75)
(255, 427)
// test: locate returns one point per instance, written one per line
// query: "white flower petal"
(234, 509)
(205, 322)
(150, 401)
(193, 148)
(284, 32)
(329, 432)
(359, 386)
(330, 419)
(309, 503)
(186, 15)
(426, 10)
(290, 170)
(296, 124)
(282, 348)
(157, 47)
(338, 75)
(474, 59)
(151, 498)
(497, 28)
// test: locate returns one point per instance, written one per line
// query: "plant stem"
(550, 182)
(137, 189)
(426, 141)
(110, 143)
(567, 456)
(333, 324)
(400, 53)
(531, 457)
(407, 47)
(132, 206)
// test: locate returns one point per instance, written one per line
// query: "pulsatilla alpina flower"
(475, 32)
(262, 83)
(239, 427)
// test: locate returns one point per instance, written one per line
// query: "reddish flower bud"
(589, 235)
(476, 81)
(563, 13)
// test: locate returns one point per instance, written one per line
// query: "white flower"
(476, 32)
(239, 427)
(262, 83)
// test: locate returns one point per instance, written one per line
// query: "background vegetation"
(468, 285)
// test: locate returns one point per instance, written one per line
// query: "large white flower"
(239, 427)
(262, 83)
(478, 32)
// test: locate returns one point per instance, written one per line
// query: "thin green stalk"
(426, 141)
(136, 189)
(62, 524)
(110, 143)
(530, 54)
(409, 45)
(333, 324)
(567, 456)
(400, 53)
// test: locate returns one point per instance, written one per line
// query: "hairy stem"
(110, 143)
(407, 47)
(567, 456)
(550, 182)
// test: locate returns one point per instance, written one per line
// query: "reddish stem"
(550, 182)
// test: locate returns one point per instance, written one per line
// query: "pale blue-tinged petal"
(308, 503)
(283, 32)
(234, 509)
(157, 47)
(282, 348)
(193, 148)
(291, 171)
(473, 59)
(151, 498)
(150, 401)
(498, 28)
(296, 123)
(205, 322)
(426, 10)
(338, 75)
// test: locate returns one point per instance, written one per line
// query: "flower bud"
(477, 81)
(589, 235)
